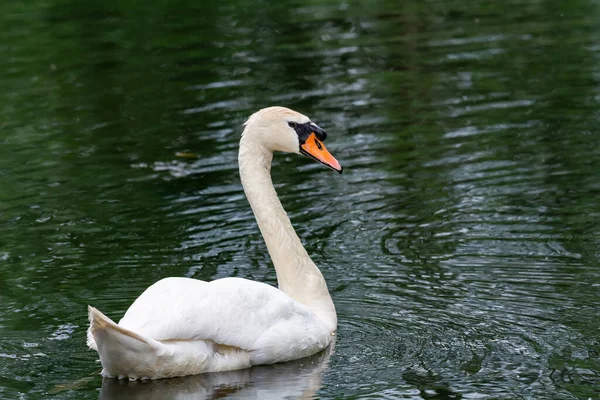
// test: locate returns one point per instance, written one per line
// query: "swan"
(183, 326)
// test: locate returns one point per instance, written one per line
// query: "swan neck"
(297, 275)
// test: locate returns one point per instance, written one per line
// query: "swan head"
(282, 129)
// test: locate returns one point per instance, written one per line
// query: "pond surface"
(460, 245)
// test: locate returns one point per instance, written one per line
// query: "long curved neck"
(297, 275)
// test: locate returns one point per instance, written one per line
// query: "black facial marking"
(304, 131)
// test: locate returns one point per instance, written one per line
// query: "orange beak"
(316, 150)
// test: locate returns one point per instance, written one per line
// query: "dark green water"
(461, 244)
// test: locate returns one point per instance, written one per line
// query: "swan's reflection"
(298, 379)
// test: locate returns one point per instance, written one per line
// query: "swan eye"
(292, 124)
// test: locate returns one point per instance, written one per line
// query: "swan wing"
(235, 312)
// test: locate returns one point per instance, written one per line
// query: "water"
(461, 243)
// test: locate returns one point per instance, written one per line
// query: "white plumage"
(182, 326)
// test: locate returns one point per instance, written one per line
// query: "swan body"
(183, 326)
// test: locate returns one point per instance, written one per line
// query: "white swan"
(182, 326)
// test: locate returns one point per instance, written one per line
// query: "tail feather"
(123, 353)
(127, 354)
(99, 321)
